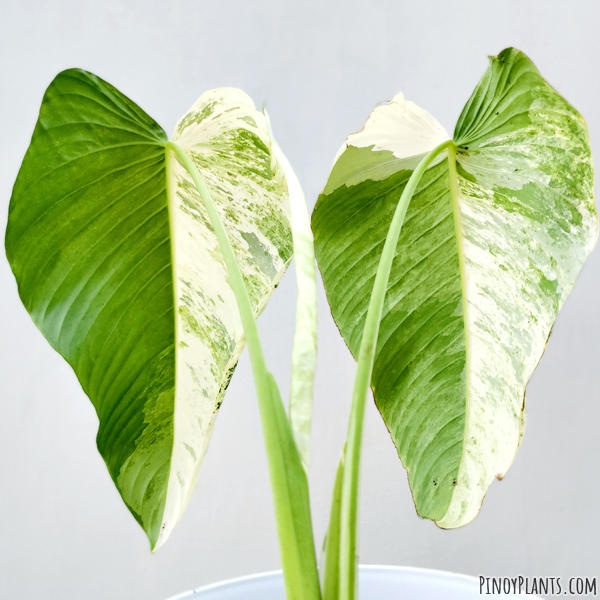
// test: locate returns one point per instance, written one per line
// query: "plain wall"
(320, 66)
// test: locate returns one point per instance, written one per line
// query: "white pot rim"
(222, 585)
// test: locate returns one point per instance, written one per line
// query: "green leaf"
(119, 267)
(496, 233)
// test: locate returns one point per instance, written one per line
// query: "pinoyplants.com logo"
(550, 586)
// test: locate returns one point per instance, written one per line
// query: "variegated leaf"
(120, 269)
(493, 240)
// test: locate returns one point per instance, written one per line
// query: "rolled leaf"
(332, 542)
(304, 356)
(493, 240)
(119, 267)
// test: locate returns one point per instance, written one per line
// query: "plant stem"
(366, 358)
(288, 478)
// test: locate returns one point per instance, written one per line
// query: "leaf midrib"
(453, 176)
(171, 182)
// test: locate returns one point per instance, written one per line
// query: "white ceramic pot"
(375, 583)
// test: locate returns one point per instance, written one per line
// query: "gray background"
(321, 66)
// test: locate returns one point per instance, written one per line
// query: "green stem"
(366, 358)
(288, 479)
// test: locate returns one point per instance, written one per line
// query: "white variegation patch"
(228, 140)
(400, 126)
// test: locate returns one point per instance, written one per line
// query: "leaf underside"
(119, 267)
(493, 240)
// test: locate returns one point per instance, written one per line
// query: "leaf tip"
(158, 538)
